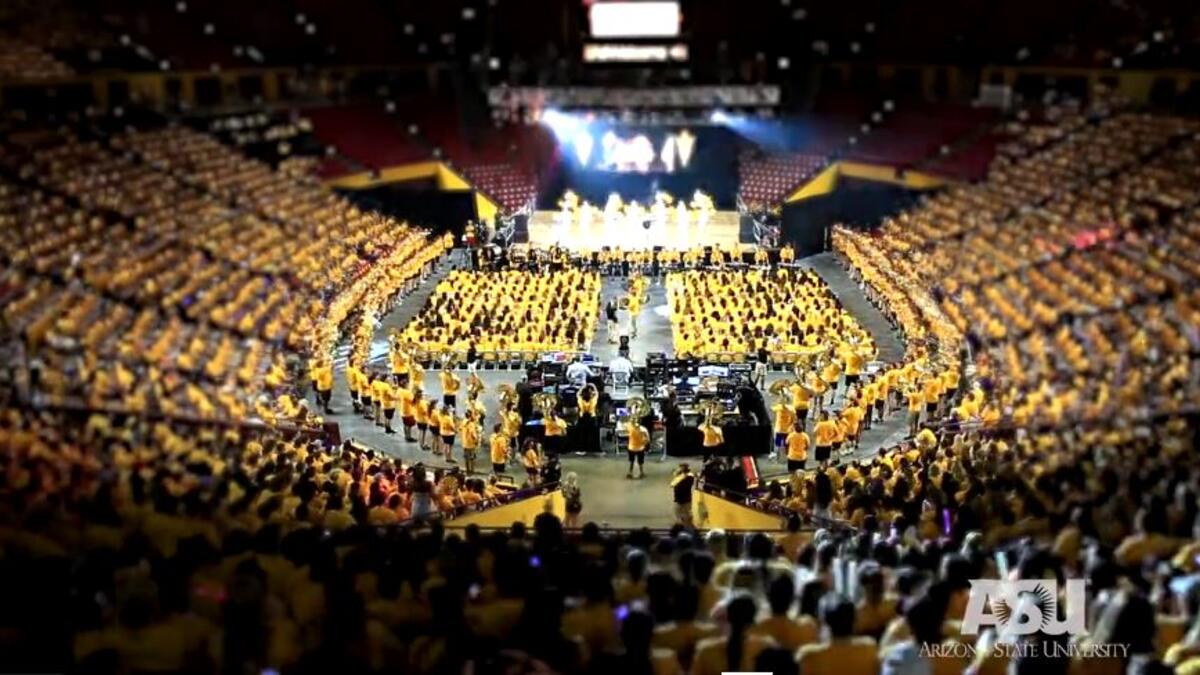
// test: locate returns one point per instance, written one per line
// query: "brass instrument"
(545, 402)
(507, 394)
(710, 408)
(475, 386)
(635, 409)
(779, 389)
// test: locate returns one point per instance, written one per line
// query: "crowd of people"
(508, 310)
(161, 272)
(1081, 309)
(157, 278)
(746, 312)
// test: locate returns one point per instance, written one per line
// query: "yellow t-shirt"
(471, 433)
(825, 433)
(785, 418)
(555, 426)
(713, 435)
(797, 446)
(499, 448)
(851, 656)
(446, 424)
(639, 437)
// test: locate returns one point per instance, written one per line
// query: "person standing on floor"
(574, 500)
(681, 494)
(639, 440)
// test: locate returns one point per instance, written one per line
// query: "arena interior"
(589, 336)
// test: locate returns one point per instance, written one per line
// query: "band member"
(364, 395)
(408, 410)
(472, 435)
(512, 425)
(435, 426)
(475, 406)
(391, 398)
(498, 447)
(323, 375)
(532, 459)
(421, 415)
(797, 448)
(353, 374)
(714, 438)
(639, 440)
(401, 362)
(825, 435)
(450, 386)
(556, 433)
(447, 429)
(785, 420)
(801, 398)
(379, 388)
(587, 427)
(681, 492)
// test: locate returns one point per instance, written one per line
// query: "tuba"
(635, 409)
(779, 389)
(710, 408)
(507, 394)
(545, 402)
(475, 385)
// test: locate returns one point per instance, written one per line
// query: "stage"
(546, 230)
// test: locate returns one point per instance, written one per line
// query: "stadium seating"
(769, 179)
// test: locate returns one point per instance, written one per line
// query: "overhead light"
(181, 6)
(301, 19)
(869, 27)
(1159, 36)
(877, 117)
(390, 106)
(853, 140)
(164, 64)
(854, 47)
(408, 29)
(209, 29)
(888, 105)
(799, 14)
(413, 129)
(311, 29)
(125, 40)
(1117, 62)
(784, 63)
(422, 48)
(865, 128)
(494, 63)
(468, 13)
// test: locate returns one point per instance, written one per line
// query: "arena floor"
(608, 498)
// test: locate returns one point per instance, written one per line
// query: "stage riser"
(545, 230)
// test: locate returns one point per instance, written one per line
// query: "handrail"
(752, 502)
(487, 503)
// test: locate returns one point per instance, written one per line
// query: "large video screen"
(639, 150)
(650, 19)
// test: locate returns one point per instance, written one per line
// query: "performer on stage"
(613, 210)
(566, 208)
